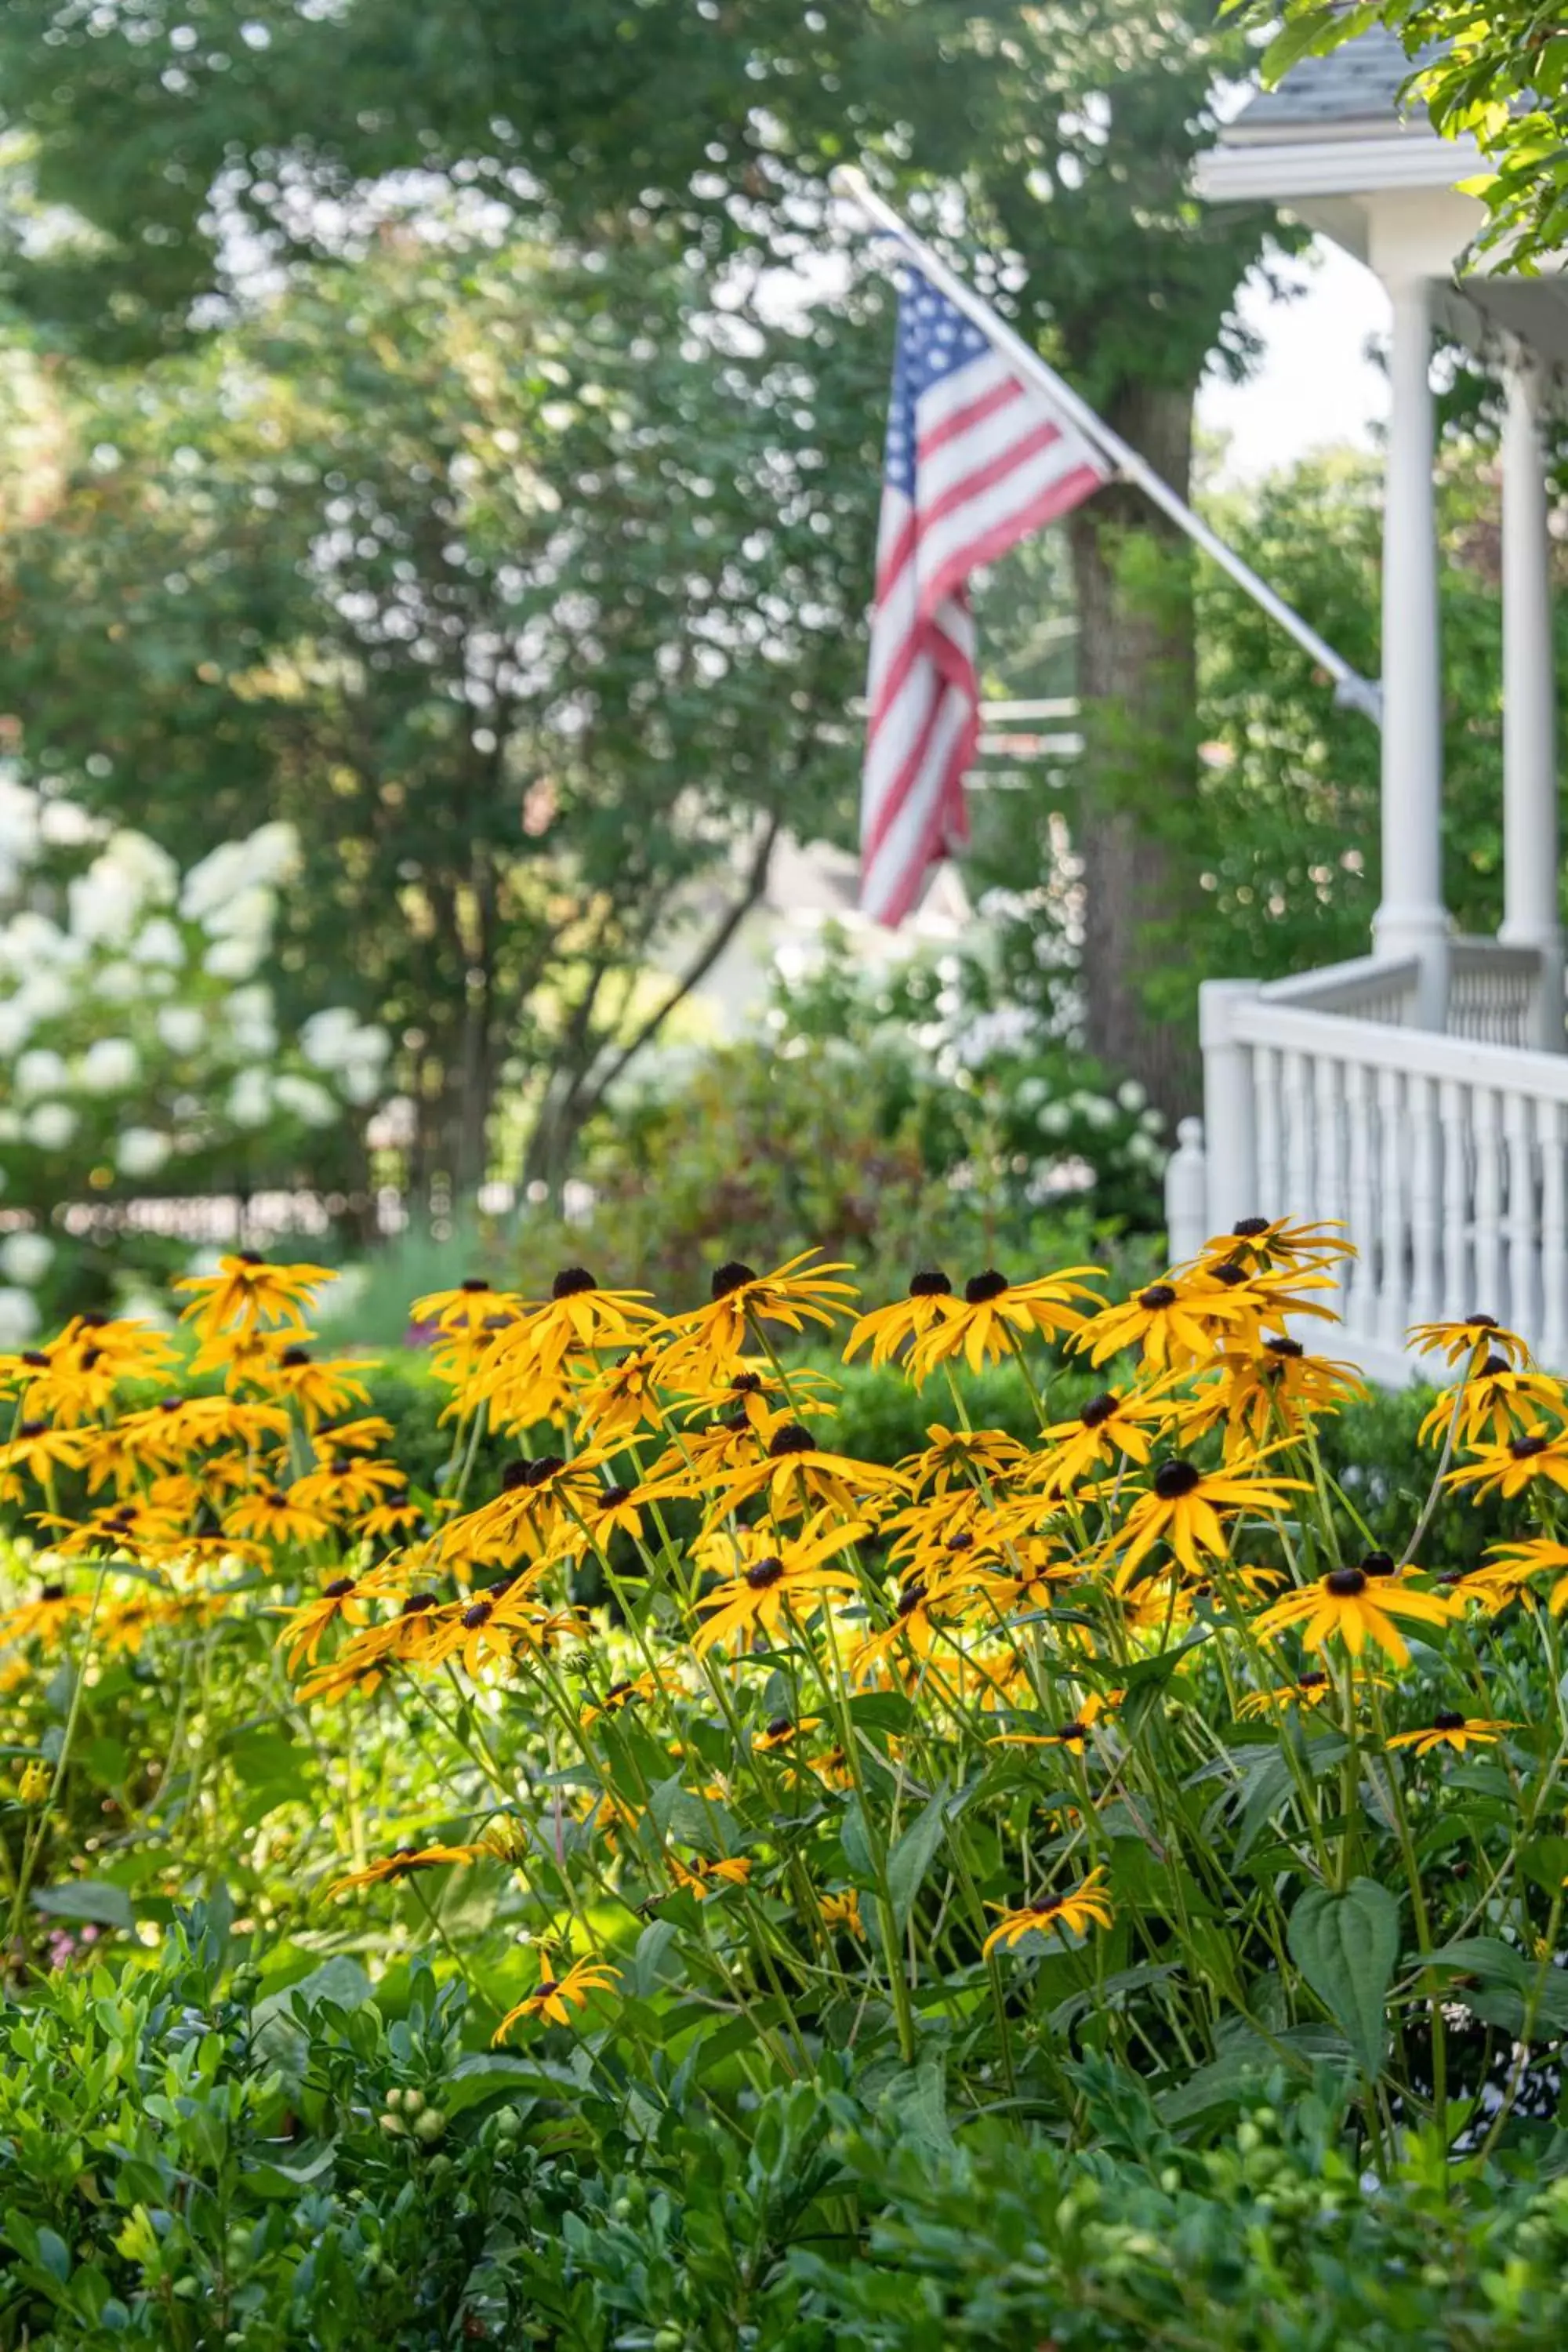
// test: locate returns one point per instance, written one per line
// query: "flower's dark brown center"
(1480, 1322)
(614, 1497)
(539, 1474)
(1289, 1348)
(619, 1695)
(1524, 1449)
(341, 1466)
(91, 1359)
(1345, 1584)
(294, 1357)
(36, 1358)
(982, 1287)
(930, 1283)
(733, 1275)
(32, 1429)
(960, 1542)
(1158, 1296)
(514, 1476)
(1247, 1229)
(763, 1573)
(747, 1384)
(251, 1257)
(1447, 1721)
(1174, 1479)
(338, 1587)
(910, 1599)
(417, 1604)
(1494, 1365)
(793, 1438)
(275, 1499)
(545, 1986)
(1099, 1410)
(1229, 1275)
(737, 1421)
(780, 1727)
(498, 1584)
(571, 1280)
(478, 1614)
(1076, 1729)
(1314, 1679)
(169, 1404)
(474, 1283)
(51, 1592)
(1378, 1563)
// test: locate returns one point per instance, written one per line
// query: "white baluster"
(1330, 1202)
(1392, 1181)
(1523, 1310)
(1265, 1081)
(1489, 1298)
(1426, 1197)
(1554, 1123)
(1298, 1124)
(1360, 1308)
(1457, 1295)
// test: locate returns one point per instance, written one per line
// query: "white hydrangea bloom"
(16, 1026)
(181, 1027)
(18, 1318)
(247, 916)
(234, 959)
(27, 1258)
(103, 903)
(109, 1065)
(361, 1081)
(250, 1099)
(18, 820)
(307, 1099)
(50, 1127)
(159, 943)
(118, 983)
(327, 1038)
(155, 872)
(40, 1071)
(142, 1152)
(1130, 1095)
(65, 826)
(250, 1021)
(45, 995)
(214, 880)
(29, 940)
(10, 1126)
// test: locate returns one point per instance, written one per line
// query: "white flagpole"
(1352, 690)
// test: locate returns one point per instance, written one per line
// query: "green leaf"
(1346, 1945)
(857, 1846)
(914, 1855)
(86, 1899)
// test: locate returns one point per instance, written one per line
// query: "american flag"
(975, 460)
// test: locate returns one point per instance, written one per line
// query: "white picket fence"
(1446, 1153)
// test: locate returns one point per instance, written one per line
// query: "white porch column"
(1411, 920)
(1528, 706)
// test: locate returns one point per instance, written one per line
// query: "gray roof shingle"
(1358, 83)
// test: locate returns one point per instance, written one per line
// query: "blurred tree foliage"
(167, 157)
(522, 586)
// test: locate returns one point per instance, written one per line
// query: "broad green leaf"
(857, 1846)
(1346, 1945)
(914, 1855)
(86, 1899)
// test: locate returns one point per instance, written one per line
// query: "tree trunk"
(1137, 681)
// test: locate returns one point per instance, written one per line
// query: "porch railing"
(1446, 1155)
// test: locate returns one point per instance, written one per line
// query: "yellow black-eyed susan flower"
(1450, 1729)
(1074, 1912)
(554, 1998)
(891, 1329)
(1186, 1507)
(1350, 1606)
(996, 1313)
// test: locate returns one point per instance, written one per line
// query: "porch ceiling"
(1534, 311)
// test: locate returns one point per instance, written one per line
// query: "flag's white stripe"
(986, 445)
(895, 734)
(887, 875)
(965, 525)
(948, 393)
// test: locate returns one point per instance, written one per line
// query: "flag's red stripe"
(1056, 498)
(1001, 396)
